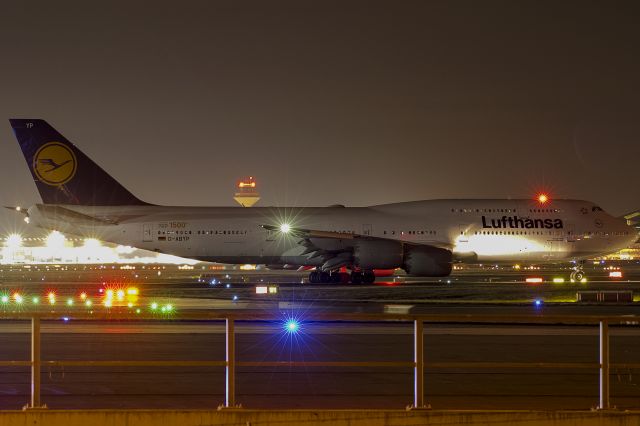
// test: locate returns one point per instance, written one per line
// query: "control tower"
(246, 192)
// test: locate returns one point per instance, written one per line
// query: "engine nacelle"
(377, 254)
(425, 261)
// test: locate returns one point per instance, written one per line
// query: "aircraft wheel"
(314, 278)
(578, 275)
(368, 277)
(325, 278)
(336, 278)
(356, 278)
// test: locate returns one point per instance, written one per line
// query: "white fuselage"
(476, 231)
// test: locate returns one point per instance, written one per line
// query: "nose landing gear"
(577, 275)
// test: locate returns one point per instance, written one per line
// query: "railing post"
(418, 369)
(230, 394)
(604, 366)
(35, 362)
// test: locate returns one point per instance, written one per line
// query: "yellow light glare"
(55, 240)
(83, 295)
(285, 228)
(91, 243)
(14, 241)
(558, 280)
(132, 291)
(120, 295)
(543, 198)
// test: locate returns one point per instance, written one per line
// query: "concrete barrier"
(315, 417)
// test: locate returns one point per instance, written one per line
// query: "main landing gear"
(336, 277)
(577, 275)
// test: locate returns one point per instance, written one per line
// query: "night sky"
(351, 102)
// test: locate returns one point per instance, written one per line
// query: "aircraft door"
(367, 229)
(463, 235)
(570, 231)
(147, 232)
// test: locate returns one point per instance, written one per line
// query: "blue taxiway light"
(292, 326)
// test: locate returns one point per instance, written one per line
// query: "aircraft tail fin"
(63, 173)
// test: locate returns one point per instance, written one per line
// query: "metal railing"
(418, 364)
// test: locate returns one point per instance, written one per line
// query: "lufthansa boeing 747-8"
(423, 237)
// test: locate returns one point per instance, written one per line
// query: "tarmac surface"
(501, 292)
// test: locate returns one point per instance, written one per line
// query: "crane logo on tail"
(54, 164)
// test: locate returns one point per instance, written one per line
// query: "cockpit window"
(596, 209)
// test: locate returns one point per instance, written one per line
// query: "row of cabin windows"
(544, 210)
(503, 210)
(588, 233)
(483, 210)
(507, 233)
(212, 232)
(223, 232)
(419, 232)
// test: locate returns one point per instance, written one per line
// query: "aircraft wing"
(62, 214)
(336, 249)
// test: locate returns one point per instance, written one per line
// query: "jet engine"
(377, 254)
(425, 261)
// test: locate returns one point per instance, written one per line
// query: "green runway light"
(88, 303)
(163, 309)
(138, 311)
(154, 306)
(70, 302)
(169, 308)
(5, 299)
(35, 300)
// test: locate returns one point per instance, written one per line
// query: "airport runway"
(84, 387)
(472, 290)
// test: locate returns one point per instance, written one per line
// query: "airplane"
(425, 238)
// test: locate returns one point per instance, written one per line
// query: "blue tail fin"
(63, 174)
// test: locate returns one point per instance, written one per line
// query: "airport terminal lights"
(56, 248)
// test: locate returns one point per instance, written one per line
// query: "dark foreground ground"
(501, 292)
(321, 387)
